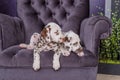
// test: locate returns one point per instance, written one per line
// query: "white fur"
(55, 27)
(36, 61)
(56, 62)
(73, 39)
(58, 50)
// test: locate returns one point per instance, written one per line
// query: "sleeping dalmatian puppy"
(72, 43)
(60, 44)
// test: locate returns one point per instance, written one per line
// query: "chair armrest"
(11, 31)
(92, 30)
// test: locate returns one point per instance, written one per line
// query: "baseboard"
(113, 69)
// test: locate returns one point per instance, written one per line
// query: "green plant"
(110, 48)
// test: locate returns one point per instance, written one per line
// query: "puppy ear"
(44, 33)
(65, 39)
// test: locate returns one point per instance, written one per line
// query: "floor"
(108, 77)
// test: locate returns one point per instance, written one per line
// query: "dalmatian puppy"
(52, 38)
(72, 43)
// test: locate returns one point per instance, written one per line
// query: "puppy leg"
(66, 53)
(56, 62)
(36, 60)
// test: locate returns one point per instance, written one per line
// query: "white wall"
(108, 8)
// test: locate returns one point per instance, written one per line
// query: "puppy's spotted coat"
(52, 38)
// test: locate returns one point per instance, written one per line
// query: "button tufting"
(32, 2)
(58, 2)
(43, 3)
(72, 2)
(61, 3)
(50, 14)
(46, 3)
(38, 13)
(53, 14)
(29, 2)
(68, 14)
(35, 13)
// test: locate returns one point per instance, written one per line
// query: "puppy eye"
(57, 32)
(75, 43)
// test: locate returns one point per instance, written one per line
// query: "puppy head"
(72, 41)
(55, 32)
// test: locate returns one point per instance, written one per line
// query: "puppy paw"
(81, 54)
(56, 65)
(36, 67)
(66, 54)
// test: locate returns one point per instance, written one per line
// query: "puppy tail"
(23, 45)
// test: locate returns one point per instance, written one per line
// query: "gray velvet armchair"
(16, 63)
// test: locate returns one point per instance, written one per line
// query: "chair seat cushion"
(16, 57)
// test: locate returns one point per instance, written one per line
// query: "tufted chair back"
(37, 13)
